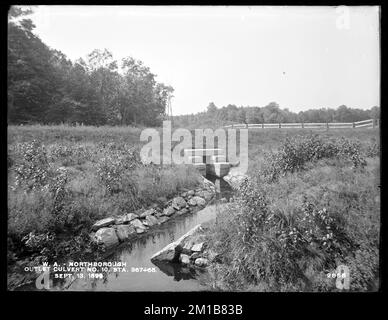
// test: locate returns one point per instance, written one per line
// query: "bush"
(310, 233)
(373, 150)
(32, 168)
(113, 173)
(296, 151)
(69, 155)
(266, 248)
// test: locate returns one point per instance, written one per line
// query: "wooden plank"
(359, 122)
(316, 124)
(341, 127)
(341, 124)
(364, 125)
(271, 125)
(309, 125)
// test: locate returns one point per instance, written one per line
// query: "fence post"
(373, 122)
(302, 125)
(262, 125)
(354, 125)
(280, 125)
(327, 126)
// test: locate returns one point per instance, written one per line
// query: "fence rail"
(319, 125)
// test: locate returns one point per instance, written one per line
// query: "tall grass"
(287, 234)
(60, 187)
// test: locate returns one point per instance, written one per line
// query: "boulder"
(205, 194)
(195, 255)
(192, 202)
(168, 211)
(120, 220)
(201, 262)
(138, 225)
(163, 219)
(186, 249)
(178, 203)
(199, 201)
(147, 213)
(171, 252)
(159, 214)
(184, 259)
(151, 220)
(130, 216)
(182, 211)
(198, 247)
(107, 236)
(103, 223)
(191, 193)
(124, 231)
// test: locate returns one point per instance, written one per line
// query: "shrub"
(373, 150)
(69, 155)
(40, 208)
(274, 250)
(113, 172)
(363, 267)
(351, 150)
(31, 169)
(58, 190)
(296, 151)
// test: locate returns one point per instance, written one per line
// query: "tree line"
(44, 86)
(272, 113)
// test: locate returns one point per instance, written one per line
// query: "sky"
(300, 57)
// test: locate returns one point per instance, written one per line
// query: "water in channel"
(137, 254)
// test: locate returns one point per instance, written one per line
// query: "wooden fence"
(323, 125)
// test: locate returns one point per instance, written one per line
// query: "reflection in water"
(177, 271)
(137, 254)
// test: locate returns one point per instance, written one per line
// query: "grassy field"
(61, 179)
(311, 203)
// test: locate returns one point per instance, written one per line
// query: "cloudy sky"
(300, 57)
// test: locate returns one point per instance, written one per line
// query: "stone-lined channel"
(138, 252)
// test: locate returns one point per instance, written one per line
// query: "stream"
(137, 254)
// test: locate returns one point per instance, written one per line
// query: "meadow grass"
(263, 237)
(61, 179)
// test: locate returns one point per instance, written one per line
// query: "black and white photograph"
(193, 149)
